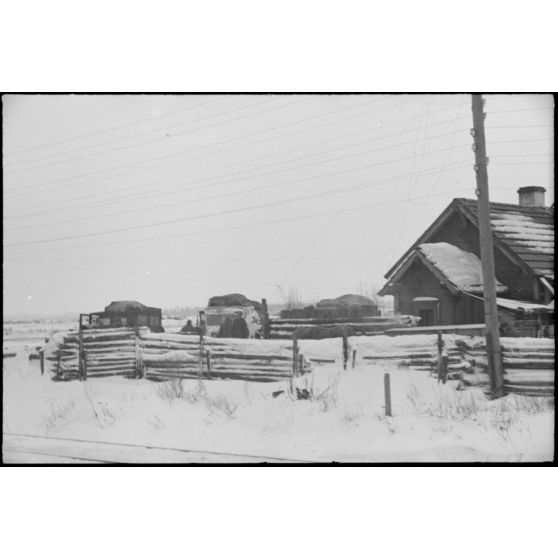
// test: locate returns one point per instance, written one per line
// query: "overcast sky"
(172, 199)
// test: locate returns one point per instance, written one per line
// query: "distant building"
(125, 313)
(439, 278)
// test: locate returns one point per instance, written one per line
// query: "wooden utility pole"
(493, 349)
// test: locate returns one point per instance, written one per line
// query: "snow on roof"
(527, 307)
(461, 268)
(527, 231)
(521, 305)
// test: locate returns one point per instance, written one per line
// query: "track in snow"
(28, 448)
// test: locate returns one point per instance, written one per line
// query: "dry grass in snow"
(344, 420)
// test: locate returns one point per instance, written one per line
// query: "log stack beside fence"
(321, 328)
(529, 364)
(142, 353)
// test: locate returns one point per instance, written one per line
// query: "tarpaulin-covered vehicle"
(234, 315)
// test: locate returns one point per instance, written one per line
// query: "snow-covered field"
(24, 336)
(344, 421)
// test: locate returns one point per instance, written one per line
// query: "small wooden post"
(58, 364)
(202, 323)
(440, 345)
(84, 365)
(80, 355)
(295, 362)
(141, 365)
(42, 360)
(354, 358)
(201, 351)
(208, 360)
(387, 395)
(345, 348)
(266, 332)
(137, 353)
(444, 367)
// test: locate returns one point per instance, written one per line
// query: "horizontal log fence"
(140, 353)
(529, 365)
(529, 368)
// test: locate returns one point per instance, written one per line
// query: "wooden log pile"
(174, 355)
(529, 365)
(322, 328)
(92, 353)
(158, 356)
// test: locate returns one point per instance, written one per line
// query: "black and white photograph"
(278, 278)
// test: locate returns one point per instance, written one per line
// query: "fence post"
(80, 354)
(345, 348)
(387, 395)
(208, 359)
(58, 364)
(265, 311)
(136, 353)
(295, 361)
(201, 349)
(444, 367)
(440, 345)
(84, 365)
(42, 360)
(354, 358)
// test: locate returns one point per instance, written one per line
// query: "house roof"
(462, 269)
(527, 231)
(524, 234)
(459, 270)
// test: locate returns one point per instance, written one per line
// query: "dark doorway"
(427, 316)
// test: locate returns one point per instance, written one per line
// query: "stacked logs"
(92, 353)
(159, 356)
(317, 328)
(184, 356)
(528, 365)
(424, 357)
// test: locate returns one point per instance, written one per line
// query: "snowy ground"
(344, 421)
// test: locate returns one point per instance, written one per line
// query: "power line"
(180, 187)
(182, 151)
(182, 124)
(239, 192)
(520, 126)
(22, 191)
(330, 223)
(73, 138)
(113, 150)
(520, 163)
(518, 110)
(245, 225)
(520, 141)
(257, 189)
(197, 217)
(134, 188)
(523, 155)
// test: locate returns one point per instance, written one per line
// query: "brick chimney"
(531, 196)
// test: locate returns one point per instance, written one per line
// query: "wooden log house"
(439, 278)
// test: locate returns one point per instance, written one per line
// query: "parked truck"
(234, 315)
